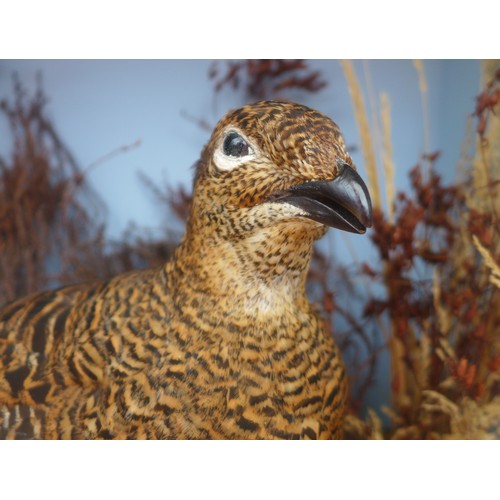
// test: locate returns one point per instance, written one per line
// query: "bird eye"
(235, 146)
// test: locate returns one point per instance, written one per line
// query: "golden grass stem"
(387, 161)
(361, 116)
(424, 98)
(489, 262)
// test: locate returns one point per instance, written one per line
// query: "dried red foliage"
(424, 237)
(266, 78)
(49, 229)
(42, 220)
(486, 102)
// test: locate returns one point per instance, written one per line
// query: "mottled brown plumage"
(221, 342)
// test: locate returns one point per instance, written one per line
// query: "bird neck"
(264, 270)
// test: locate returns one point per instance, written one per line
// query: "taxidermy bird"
(221, 341)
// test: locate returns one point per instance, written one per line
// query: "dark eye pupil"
(235, 145)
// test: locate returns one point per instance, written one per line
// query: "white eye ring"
(226, 160)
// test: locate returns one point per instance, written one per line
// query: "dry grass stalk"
(387, 161)
(373, 115)
(364, 131)
(468, 419)
(400, 381)
(489, 262)
(422, 84)
(424, 353)
(422, 80)
(443, 316)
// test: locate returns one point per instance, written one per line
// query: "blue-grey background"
(99, 105)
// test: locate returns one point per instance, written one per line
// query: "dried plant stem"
(396, 349)
(40, 228)
(488, 260)
(78, 177)
(422, 84)
(489, 149)
(374, 120)
(364, 131)
(387, 161)
(200, 122)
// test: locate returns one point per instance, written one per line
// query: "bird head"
(278, 164)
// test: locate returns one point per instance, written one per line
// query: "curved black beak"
(343, 203)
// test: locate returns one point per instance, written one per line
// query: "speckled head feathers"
(297, 140)
(263, 149)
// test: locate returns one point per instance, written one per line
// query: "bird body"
(221, 341)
